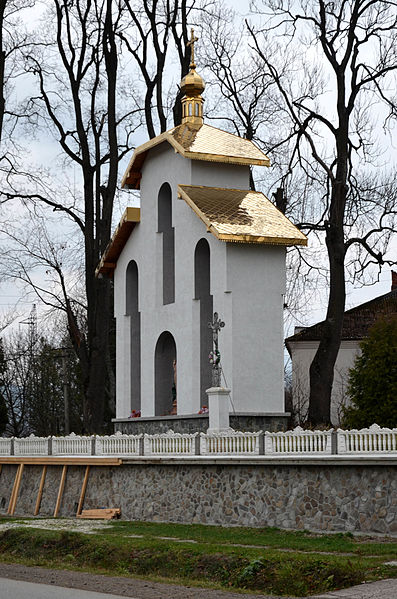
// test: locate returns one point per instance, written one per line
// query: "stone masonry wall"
(329, 497)
(200, 423)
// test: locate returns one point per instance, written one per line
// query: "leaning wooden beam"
(83, 489)
(15, 490)
(60, 491)
(40, 493)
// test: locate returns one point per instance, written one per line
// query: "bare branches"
(355, 45)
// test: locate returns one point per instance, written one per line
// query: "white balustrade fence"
(5, 446)
(367, 440)
(31, 446)
(72, 445)
(298, 441)
(170, 443)
(230, 442)
(118, 444)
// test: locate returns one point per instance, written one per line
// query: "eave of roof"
(205, 143)
(241, 216)
(108, 262)
(357, 321)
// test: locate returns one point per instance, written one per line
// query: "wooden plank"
(60, 491)
(40, 493)
(100, 514)
(15, 490)
(83, 489)
(61, 461)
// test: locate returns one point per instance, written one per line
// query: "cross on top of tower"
(191, 43)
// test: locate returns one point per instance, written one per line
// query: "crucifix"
(190, 43)
(215, 357)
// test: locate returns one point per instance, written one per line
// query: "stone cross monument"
(218, 396)
(215, 356)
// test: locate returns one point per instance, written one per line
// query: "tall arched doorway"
(165, 374)
(202, 276)
(132, 310)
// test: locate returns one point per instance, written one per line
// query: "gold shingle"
(207, 142)
(241, 216)
(197, 143)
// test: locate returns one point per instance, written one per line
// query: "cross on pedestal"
(215, 357)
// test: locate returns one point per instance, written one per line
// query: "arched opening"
(132, 310)
(165, 374)
(202, 281)
(165, 227)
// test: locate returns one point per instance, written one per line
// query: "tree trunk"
(323, 364)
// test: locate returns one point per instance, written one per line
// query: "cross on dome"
(191, 43)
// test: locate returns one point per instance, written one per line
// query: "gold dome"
(192, 84)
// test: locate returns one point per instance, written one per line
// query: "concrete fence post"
(142, 445)
(197, 444)
(261, 443)
(334, 442)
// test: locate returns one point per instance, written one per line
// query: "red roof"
(356, 321)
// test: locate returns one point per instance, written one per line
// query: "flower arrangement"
(214, 357)
(203, 410)
(135, 414)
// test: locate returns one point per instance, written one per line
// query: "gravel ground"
(70, 524)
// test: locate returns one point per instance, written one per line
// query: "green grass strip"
(269, 571)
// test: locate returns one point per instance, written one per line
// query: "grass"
(265, 537)
(232, 558)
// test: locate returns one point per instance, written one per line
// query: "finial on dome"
(191, 43)
(192, 85)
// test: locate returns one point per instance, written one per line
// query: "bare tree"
(334, 142)
(76, 101)
(79, 103)
(159, 37)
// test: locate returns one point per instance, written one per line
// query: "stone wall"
(200, 423)
(331, 497)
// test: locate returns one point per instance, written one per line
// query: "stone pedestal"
(218, 407)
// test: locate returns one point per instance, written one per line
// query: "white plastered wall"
(247, 282)
(302, 354)
(256, 276)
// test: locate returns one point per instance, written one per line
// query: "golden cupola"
(192, 86)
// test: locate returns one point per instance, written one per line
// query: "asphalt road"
(20, 589)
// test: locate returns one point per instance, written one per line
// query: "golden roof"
(206, 143)
(241, 216)
(108, 262)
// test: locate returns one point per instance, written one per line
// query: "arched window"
(165, 374)
(165, 227)
(202, 288)
(132, 310)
